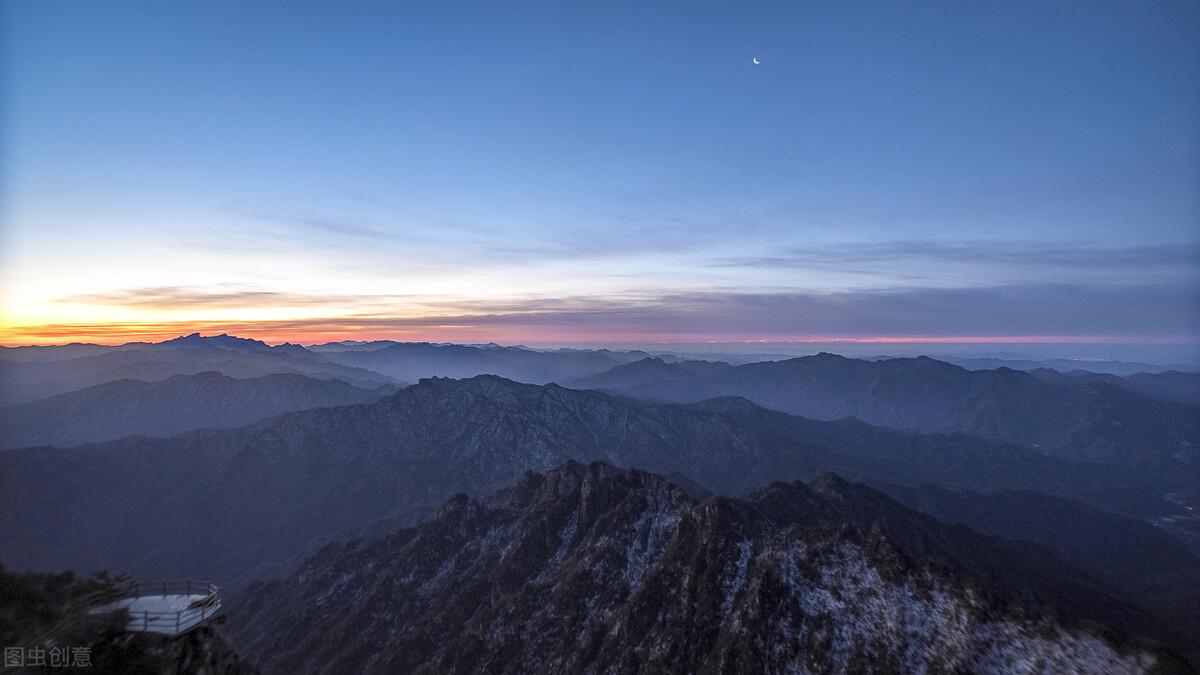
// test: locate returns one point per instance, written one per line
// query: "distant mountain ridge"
(230, 503)
(651, 369)
(29, 374)
(1091, 421)
(168, 407)
(411, 361)
(1172, 385)
(1099, 367)
(32, 373)
(596, 569)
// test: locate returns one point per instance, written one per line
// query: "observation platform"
(167, 607)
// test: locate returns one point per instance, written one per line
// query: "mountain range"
(1091, 421)
(221, 502)
(172, 406)
(1020, 362)
(1068, 489)
(411, 361)
(247, 503)
(33, 373)
(1171, 385)
(594, 569)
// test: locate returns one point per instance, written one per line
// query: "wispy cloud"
(1138, 312)
(327, 225)
(925, 259)
(421, 241)
(501, 241)
(1028, 309)
(180, 296)
(168, 297)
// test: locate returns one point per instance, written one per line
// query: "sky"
(561, 173)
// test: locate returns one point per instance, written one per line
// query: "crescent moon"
(756, 61)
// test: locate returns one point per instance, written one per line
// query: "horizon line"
(158, 337)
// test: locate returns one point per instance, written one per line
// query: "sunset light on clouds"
(652, 188)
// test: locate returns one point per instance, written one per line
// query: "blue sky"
(541, 172)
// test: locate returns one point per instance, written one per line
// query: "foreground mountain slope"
(229, 504)
(1135, 560)
(594, 569)
(1134, 553)
(168, 407)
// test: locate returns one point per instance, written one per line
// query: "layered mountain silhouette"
(1172, 385)
(1094, 421)
(33, 373)
(411, 361)
(169, 407)
(597, 569)
(231, 504)
(1019, 362)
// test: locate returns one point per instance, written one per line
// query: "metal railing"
(170, 587)
(175, 622)
(198, 612)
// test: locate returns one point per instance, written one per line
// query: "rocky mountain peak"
(590, 568)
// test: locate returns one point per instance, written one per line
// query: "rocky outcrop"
(591, 569)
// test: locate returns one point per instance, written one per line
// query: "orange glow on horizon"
(458, 329)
